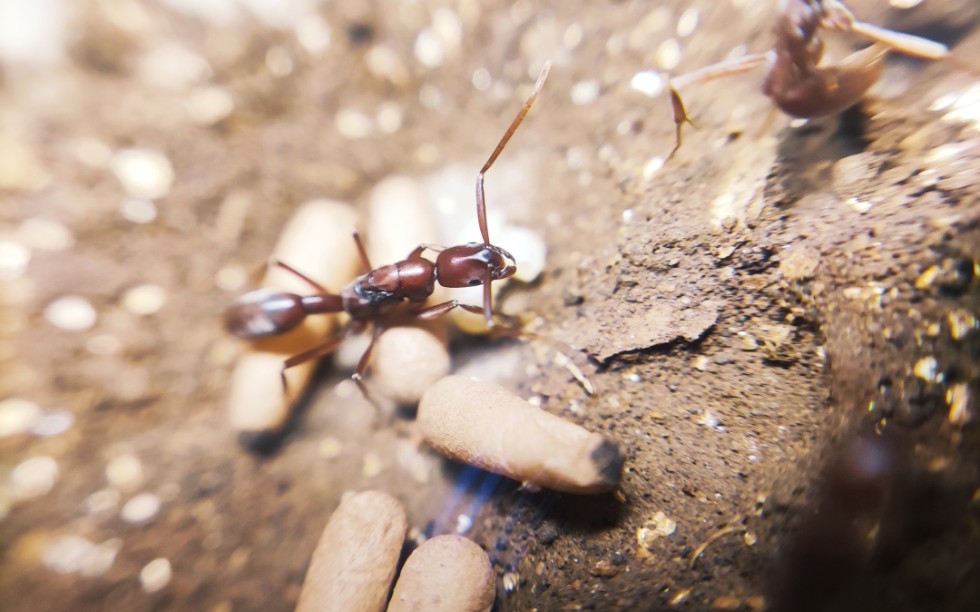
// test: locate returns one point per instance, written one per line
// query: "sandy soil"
(779, 318)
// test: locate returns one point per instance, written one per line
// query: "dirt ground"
(781, 320)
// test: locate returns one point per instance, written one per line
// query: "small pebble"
(17, 416)
(353, 124)
(960, 323)
(71, 313)
(660, 526)
(76, 555)
(927, 369)
(800, 262)
(33, 478)
(964, 106)
(958, 398)
(446, 23)
(138, 210)
(142, 508)
(172, 66)
(688, 22)
(585, 92)
(53, 424)
(91, 152)
(573, 35)
(155, 575)
(209, 105)
(330, 448)
(652, 167)
(144, 299)
(389, 118)
(724, 252)
(14, 258)
(44, 235)
(709, 420)
(859, 205)
(313, 34)
(144, 173)
(748, 342)
(103, 503)
(372, 465)
(384, 63)
(481, 79)
(431, 97)
(428, 49)
(231, 278)
(648, 82)
(279, 62)
(669, 54)
(125, 472)
(103, 344)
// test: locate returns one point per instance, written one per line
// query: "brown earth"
(755, 310)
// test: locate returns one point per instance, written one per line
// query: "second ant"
(796, 81)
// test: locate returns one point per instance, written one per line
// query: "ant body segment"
(796, 82)
(373, 298)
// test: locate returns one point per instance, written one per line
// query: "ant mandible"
(373, 298)
(796, 82)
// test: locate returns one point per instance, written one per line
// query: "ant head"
(471, 264)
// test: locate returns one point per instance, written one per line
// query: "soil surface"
(780, 320)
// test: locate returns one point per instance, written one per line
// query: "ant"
(796, 82)
(373, 299)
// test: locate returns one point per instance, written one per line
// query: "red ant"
(372, 298)
(795, 82)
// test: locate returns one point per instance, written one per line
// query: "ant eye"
(474, 282)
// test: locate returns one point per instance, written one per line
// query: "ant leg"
(365, 261)
(275, 263)
(481, 208)
(839, 17)
(565, 351)
(327, 347)
(702, 75)
(680, 118)
(488, 299)
(434, 312)
(362, 364)
(417, 252)
(907, 44)
(422, 248)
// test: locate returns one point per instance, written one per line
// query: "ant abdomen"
(263, 313)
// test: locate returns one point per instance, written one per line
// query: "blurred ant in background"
(796, 82)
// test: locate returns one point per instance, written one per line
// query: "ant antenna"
(481, 207)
